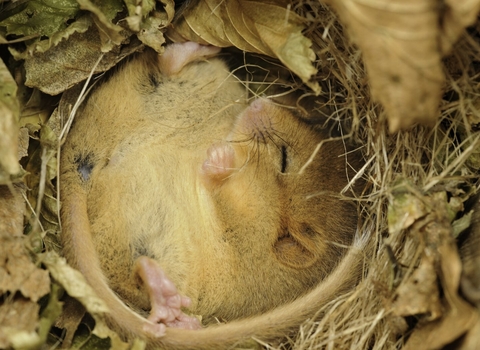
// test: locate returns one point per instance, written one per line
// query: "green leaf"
(40, 46)
(103, 12)
(50, 313)
(151, 35)
(139, 8)
(39, 17)
(405, 207)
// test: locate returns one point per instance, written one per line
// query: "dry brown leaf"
(78, 288)
(470, 255)
(457, 15)
(137, 11)
(197, 24)
(19, 277)
(18, 317)
(23, 141)
(169, 7)
(72, 314)
(71, 61)
(17, 272)
(110, 34)
(151, 35)
(74, 283)
(12, 209)
(404, 208)
(238, 23)
(400, 46)
(459, 316)
(268, 28)
(9, 111)
(419, 293)
(149, 23)
(206, 21)
(471, 339)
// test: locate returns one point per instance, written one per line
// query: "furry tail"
(79, 249)
(80, 252)
(280, 321)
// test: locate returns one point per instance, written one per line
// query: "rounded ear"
(297, 248)
(178, 55)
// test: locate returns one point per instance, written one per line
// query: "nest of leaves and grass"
(422, 77)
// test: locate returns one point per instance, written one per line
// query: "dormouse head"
(280, 178)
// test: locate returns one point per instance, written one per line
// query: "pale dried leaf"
(74, 283)
(206, 24)
(17, 272)
(9, 112)
(404, 209)
(19, 277)
(281, 31)
(25, 337)
(137, 11)
(461, 224)
(458, 319)
(18, 321)
(399, 43)
(293, 50)
(103, 331)
(268, 28)
(138, 344)
(472, 339)
(169, 7)
(457, 15)
(78, 288)
(149, 23)
(470, 254)
(151, 34)
(23, 141)
(459, 316)
(419, 293)
(12, 210)
(21, 339)
(238, 23)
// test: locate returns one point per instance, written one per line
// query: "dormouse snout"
(256, 120)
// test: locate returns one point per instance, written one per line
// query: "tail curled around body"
(80, 252)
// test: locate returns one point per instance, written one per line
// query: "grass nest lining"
(419, 182)
(416, 205)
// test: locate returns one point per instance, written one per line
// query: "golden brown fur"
(240, 240)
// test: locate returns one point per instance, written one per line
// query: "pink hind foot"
(165, 300)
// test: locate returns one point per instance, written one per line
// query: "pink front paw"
(164, 298)
(220, 161)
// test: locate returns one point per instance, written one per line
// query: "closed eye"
(284, 159)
